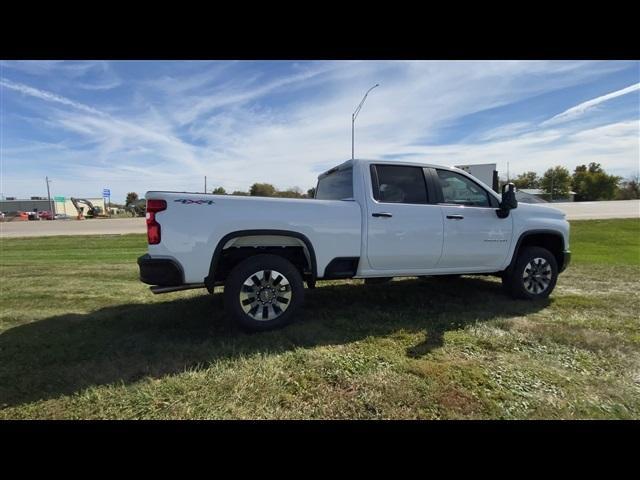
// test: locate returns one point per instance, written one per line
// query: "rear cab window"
(336, 184)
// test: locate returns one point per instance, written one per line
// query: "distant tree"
(219, 191)
(593, 183)
(556, 182)
(293, 192)
(311, 193)
(527, 180)
(240, 193)
(578, 180)
(629, 189)
(262, 190)
(131, 198)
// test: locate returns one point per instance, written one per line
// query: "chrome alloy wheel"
(537, 275)
(265, 295)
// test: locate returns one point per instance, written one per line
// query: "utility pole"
(205, 184)
(552, 172)
(49, 197)
(353, 118)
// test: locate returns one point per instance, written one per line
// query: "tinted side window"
(399, 184)
(336, 186)
(460, 190)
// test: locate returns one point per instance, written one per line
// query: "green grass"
(606, 242)
(81, 337)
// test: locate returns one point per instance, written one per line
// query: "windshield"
(338, 185)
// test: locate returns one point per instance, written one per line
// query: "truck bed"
(193, 224)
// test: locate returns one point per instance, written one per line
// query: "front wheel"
(534, 275)
(263, 292)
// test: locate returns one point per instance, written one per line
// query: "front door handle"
(455, 217)
(381, 214)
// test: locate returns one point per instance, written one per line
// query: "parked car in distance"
(45, 215)
(62, 216)
(370, 219)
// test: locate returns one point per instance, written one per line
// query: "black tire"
(540, 278)
(248, 281)
(377, 280)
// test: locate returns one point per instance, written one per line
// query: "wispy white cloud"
(48, 96)
(240, 123)
(106, 85)
(583, 107)
(100, 77)
(112, 132)
(613, 145)
(509, 130)
(178, 85)
(240, 91)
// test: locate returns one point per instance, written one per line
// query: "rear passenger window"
(398, 184)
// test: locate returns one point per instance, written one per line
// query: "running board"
(159, 289)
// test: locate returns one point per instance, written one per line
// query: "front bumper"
(566, 260)
(160, 271)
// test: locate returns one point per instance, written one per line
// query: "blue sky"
(159, 125)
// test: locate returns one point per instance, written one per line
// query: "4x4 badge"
(188, 201)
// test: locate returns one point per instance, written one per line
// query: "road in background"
(119, 226)
(94, 226)
(598, 210)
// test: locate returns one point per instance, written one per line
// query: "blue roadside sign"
(106, 192)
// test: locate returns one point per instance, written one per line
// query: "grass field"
(81, 337)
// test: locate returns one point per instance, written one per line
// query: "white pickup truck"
(369, 219)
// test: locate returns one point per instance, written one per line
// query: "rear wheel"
(263, 292)
(534, 275)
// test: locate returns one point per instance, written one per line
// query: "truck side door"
(405, 226)
(474, 236)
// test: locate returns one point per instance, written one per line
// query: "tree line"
(268, 190)
(590, 183)
(256, 190)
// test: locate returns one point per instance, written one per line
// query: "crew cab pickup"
(369, 219)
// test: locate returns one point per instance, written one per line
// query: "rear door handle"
(455, 217)
(381, 214)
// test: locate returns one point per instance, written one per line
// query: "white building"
(485, 172)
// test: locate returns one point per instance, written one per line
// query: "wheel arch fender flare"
(529, 233)
(217, 253)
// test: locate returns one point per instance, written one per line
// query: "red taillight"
(153, 227)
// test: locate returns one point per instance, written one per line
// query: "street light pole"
(49, 197)
(354, 115)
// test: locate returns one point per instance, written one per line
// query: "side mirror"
(509, 201)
